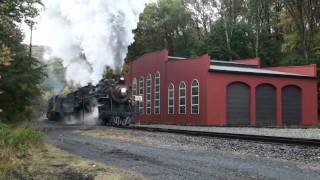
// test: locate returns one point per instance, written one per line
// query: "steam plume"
(88, 35)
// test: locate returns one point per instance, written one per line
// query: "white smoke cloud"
(88, 35)
(88, 118)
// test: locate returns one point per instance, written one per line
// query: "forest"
(280, 32)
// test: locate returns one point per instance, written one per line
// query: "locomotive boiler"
(111, 97)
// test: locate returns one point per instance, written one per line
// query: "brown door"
(238, 104)
(291, 105)
(265, 105)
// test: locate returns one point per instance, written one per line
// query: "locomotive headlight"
(123, 91)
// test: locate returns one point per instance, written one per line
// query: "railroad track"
(258, 138)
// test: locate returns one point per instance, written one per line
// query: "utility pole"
(82, 112)
(30, 45)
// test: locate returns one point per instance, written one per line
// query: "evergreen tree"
(19, 72)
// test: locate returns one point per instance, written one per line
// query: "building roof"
(231, 63)
(175, 58)
(226, 62)
(253, 71)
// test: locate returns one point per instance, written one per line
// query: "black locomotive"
(112, 98)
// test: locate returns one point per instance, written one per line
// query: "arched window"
(171, 99)
(157, 93)
(141, 93)
(182, 98)
(148, 94)
(134, 86)
(195, 97)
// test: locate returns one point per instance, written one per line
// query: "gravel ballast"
(308, 133)
(194, 143)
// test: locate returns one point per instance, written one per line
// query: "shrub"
(14, 146)
(23, 139)
(4, 133)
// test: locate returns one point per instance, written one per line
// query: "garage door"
(238, 104)
(291, 105)
(265, 105)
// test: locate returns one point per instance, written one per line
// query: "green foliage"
(4, 133)
(16, 144)
(108, 73)
(291, 42)
(19, 84)
(240, 44)
(125, 69)
(20, 74)
(23, 139)
(5, 55)
(55, 76)
(166, 24)
(20, 139)
(17, 10)
(279, 32)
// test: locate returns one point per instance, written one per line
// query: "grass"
(127, 136)
(53, 163)
(24, 154)
(116, 134)
(16, 145)
(109, 133)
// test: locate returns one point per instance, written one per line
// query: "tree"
(277, 31)
(239, 44)
(20, 73)
(165, 24)
(304, 14)
(263, 19)
(108, 73)
(147, 35)
(230, 12)
(203, 13)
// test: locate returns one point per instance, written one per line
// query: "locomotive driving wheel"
(116, 121)
(126, 121)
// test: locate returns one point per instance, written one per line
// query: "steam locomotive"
(115, 107)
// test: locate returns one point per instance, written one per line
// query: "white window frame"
(157, 76)
(141, 93)
(134, 86)
(197, 95)
(181, 97)
(171, 88)
(148, 93)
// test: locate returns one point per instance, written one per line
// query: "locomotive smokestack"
(89, 35)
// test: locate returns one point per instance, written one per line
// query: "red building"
(201, 91)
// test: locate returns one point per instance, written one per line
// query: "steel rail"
(250, 137)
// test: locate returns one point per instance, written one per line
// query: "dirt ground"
(52, 163)
(170, 156)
